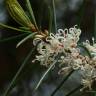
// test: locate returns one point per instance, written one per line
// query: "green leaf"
(18, 72)
(26, 38)
(31, 13)
(95, 26)
(44, 75)
(50, 19)
(13, 37)
(12, 28)
(54, 15)
(24, 28)
(17, 13)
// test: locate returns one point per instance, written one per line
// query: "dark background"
(69, 13)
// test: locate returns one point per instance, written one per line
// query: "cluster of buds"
(65, 42)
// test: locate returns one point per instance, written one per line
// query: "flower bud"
(17, 13)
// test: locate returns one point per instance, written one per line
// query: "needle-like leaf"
(31, 13)
(18, 72)
(13, 37)
(95, 26)
(26, 38)
(54, 15)
(13, 28)
(44, 75)
(50, 19)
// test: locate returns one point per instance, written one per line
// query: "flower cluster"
(65, 42)
(91, 48)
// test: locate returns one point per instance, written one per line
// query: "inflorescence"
(65, 42)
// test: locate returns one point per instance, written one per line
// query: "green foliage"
(95, 26)
(17, 13)
(13, 38)
(54, 16)
(50, 19)
(12, 28)
(26, 38)
(30, 10)
(10, 86)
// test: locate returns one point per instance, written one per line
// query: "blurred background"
(68, 13)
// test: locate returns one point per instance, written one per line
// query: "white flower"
(57, 43)
(88, 73)
(87, 83)
(64, 70)
(75, 52)
(54, 42)
(77, 64)
(65, 42)
(69, 38)
(91, 48)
